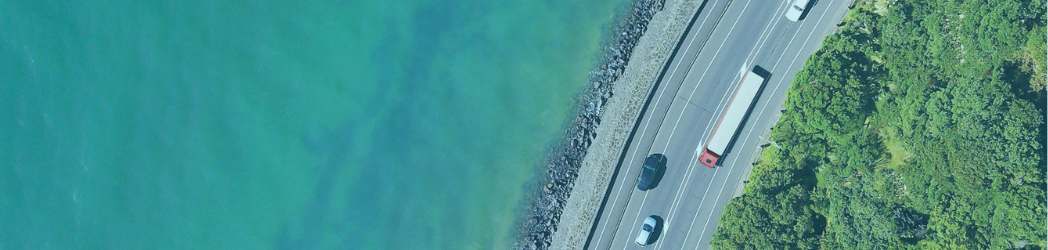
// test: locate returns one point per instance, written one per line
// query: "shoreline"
(561, 207)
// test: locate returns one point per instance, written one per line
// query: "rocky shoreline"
(564, 161)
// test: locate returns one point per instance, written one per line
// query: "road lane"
(698, 37)
(735, 19)
(767, 108)
(762, 40)
(690, 198)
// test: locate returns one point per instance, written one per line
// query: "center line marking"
(762, 39)
(721, 192)
(732, 28)
(648, 122)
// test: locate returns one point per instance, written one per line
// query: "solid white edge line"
(792, 62)
(762, 39)
(732, 28)
(648, 122)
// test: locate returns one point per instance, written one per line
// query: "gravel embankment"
(579, 169)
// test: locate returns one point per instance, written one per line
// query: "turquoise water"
(200, 124)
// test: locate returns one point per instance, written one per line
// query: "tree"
(947, 83)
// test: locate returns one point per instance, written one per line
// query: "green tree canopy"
(916, 125)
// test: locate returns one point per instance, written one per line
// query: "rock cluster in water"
(562, 165)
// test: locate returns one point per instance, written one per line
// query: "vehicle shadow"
(659, 224)
(807, 9)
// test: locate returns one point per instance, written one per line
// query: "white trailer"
(731, 120)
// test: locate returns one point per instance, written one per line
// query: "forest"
(918, 124)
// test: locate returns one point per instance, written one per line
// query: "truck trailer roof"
(731, 118)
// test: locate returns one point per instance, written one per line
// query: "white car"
(796, 10)
(647, 231)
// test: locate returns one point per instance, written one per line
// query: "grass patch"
(897, 153)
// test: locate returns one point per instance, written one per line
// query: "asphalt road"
(728, 38)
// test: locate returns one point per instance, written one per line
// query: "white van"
(796, 10)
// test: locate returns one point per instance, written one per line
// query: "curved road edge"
(622, 110)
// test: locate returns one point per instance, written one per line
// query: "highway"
(727, 38)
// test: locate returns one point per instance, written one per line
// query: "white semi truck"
(731, 119)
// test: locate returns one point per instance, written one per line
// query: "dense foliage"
(919, 124)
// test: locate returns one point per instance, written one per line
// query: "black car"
(651, 172)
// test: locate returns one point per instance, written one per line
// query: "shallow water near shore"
(319, 124)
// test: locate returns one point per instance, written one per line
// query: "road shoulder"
(622, 110)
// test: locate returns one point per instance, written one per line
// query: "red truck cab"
(708, 158)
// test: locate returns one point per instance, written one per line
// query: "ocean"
(311, 124)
